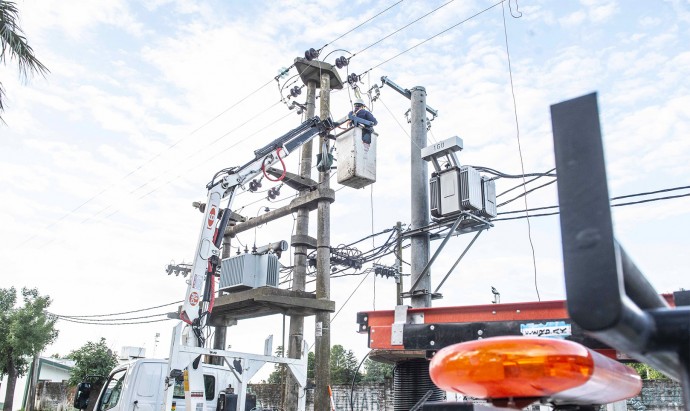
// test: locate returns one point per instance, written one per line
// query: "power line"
(131, 323)
(361, 24)
(665, 190)
(121, 313)
(432, 37)
(174, 144)
(84, 318)
(523, 184)
(400, 29)
(526, 192)
(522, 163)
(649, 200)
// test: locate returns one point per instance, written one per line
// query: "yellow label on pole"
(186, 381)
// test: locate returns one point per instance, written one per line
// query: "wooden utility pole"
(323, 266)
(299, 272)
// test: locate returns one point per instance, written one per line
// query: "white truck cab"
(140, 386)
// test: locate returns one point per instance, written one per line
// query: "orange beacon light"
(560, 371)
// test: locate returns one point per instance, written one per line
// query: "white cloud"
(117, 106)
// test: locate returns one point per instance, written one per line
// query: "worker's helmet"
(359, 102)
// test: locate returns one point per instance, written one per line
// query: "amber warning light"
(516, 371)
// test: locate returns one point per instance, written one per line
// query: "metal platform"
(404, 333)
(263, 301)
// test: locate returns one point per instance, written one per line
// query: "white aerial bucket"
(356, 159)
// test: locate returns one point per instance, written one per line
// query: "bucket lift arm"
(185, 352)
(197, 303)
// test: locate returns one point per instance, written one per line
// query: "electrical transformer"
(454, 188)
(247, 271)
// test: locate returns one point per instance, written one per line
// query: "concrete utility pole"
(420, 197)
(323, 267)
(398, 251)
(299, 272)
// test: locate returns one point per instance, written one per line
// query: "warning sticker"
(551, 329)
(198, 281)
(196, 394)
(211, 216)
(319, 329)
(193, 299)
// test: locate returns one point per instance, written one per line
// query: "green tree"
(375, 371)
(279, 370)
(25, 332)
(14, 46)
(93, 358)
(343, 365)
(648, 373)
(311, 361)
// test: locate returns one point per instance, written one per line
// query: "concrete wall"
(366, 397)
(656, 395)
(54, 396)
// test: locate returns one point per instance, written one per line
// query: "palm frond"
(13, 43)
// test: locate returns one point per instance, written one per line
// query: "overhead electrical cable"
(523, 184)
(649, 200)
(123, 312)
(431, 38)
(522, 162)
(526, 192)
(361, 24)
(80, 318)
(175, 143)
(400, 29)
(126, 323)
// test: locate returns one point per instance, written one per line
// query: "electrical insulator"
(283, 72)
(254, 185)
(311, 54)
(296, 91)
(341, 62)
(352, 78)
(273, 193)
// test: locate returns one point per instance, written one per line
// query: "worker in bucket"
(361, 111)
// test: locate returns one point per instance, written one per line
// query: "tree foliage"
(648, 373)
(375, 371)
(93, 358)
(343, 366)
(25, 332)
(279, 370)
(14, 46)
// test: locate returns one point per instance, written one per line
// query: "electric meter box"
(246, 271)
(356, 160)
(455, 189)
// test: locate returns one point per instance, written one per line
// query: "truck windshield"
(112, 391)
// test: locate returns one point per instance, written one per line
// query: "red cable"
(263, 168)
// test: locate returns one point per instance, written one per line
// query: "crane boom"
(197, 303)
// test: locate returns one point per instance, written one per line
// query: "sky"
(146, 100)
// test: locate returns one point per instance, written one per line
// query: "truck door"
(113, 392)
(147, 388)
